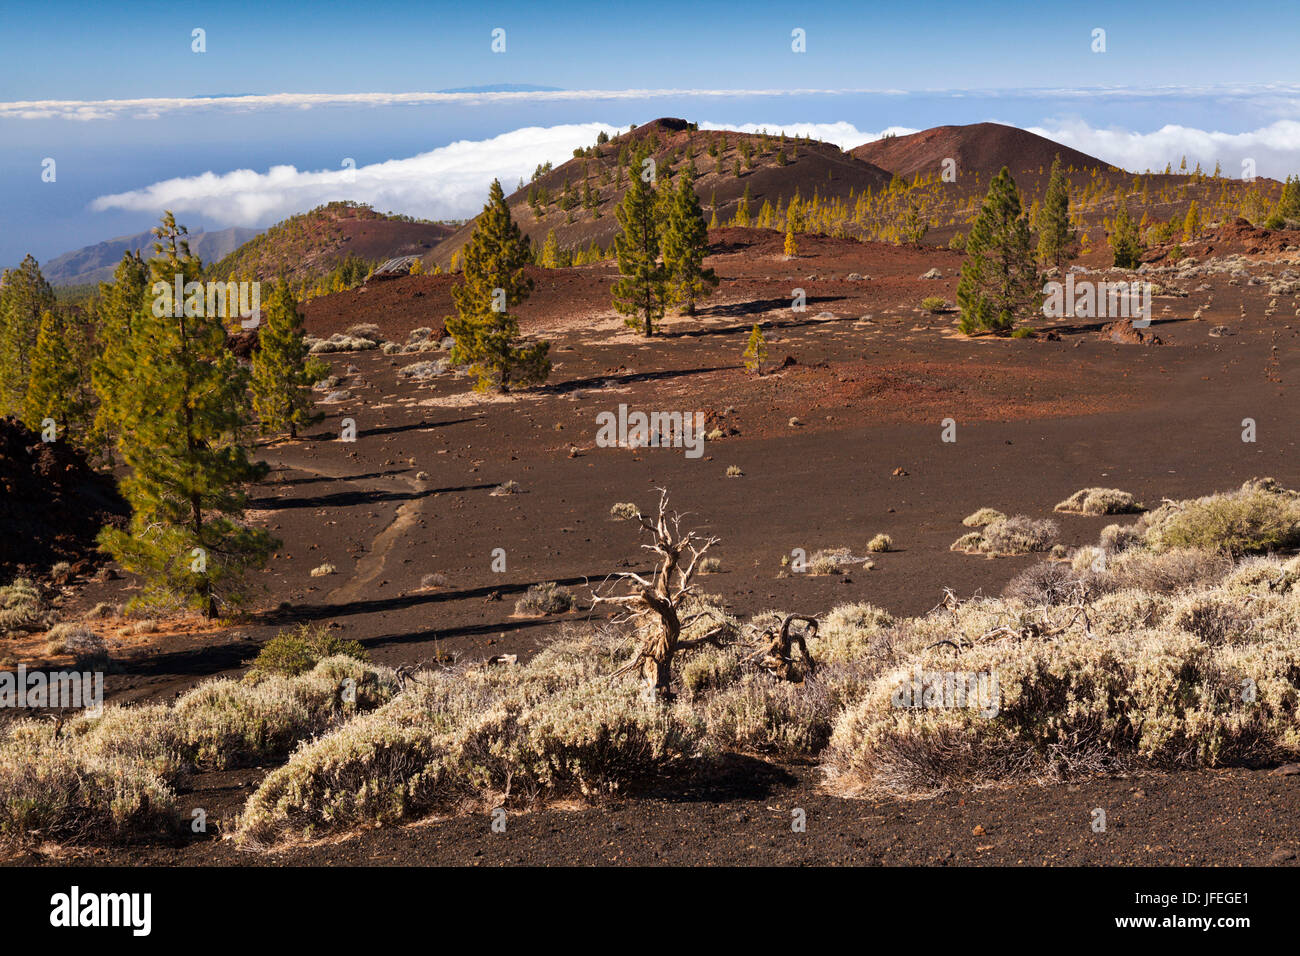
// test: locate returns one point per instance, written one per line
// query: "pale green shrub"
(1009, 536)
(1076, 705)
(983, 516)
(1099, 501)
(1260, 516)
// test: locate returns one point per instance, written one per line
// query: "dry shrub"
(22, 606)
(829, 560)
(1212, 617)
(52, 791)
(760, 715)
(1116, 538)
(983, 516)
(851, 632)
(87, 649)
(299, 649)
(1048, 582)
(481, 742)
(1077, 705)
(1163, 573)
(1259, 516)
(1009, 536)
(110, 775)
(545, 598)
(1099, 501)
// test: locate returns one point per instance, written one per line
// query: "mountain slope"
(776, 170)
(312, 243)
(96, 263)
(982, 148)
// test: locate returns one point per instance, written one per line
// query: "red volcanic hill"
(772, 168)
(313, 243)
(982, 148)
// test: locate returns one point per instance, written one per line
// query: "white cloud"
(446, 183)
(1276, 99)
(154, 107)
(844, 135)
(451, 182)
(1274, 148)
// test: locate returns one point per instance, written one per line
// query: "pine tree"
(24, 297)
(999, 282)
(113, 371)
(485, 332)
(755, 350)
(1125, 243)
(641, 288)
(1055, 236)
(59, 388)
(686, 243)
(187, 463)
(550, 256)
(1192, 222)
(1288, 206)
(282, 369)
(791, 247)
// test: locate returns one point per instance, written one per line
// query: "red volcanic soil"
(313, 243)
(869, 379)
(977, 148)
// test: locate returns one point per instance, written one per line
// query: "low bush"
(1099, 501)
(1009, 536)
(545, 598)
(1260, 516)
(983, 516)
(298, 650)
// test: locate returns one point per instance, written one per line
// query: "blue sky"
(102, 50)
(1215, 81)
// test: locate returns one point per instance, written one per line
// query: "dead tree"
(776, 650)
(656, 603)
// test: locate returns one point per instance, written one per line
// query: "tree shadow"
(273, 482)
(756, 306)
(301, 613)
(347, 499)
(627, 378)
(328, 435)
(721, 779)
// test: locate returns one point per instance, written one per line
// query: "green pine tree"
(641, 288)
(484, 330)
(187, 462)
(1056, 238)
(1288, 206)
(685, 244)
(282, 370)
(113, 371)
(24, 297)
(58, 388)
(755, 350)
(999, 282)
(1125, 242)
